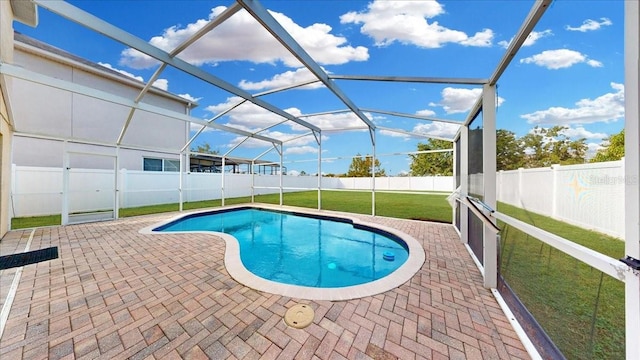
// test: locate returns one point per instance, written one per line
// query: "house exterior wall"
(51, 122)
(6, 131)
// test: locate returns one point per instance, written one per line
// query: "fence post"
(520, 192)
(554, 190)
(499, 181)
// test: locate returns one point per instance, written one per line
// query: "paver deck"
(118, 294)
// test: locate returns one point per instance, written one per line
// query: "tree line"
(541, 147)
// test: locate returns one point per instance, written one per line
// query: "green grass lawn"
(580, 308)
(558, 290)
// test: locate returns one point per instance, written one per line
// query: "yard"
(581, 309)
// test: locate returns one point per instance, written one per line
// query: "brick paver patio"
(118, 294)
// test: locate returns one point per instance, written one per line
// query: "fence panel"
(587, 195)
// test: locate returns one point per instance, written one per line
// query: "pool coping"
(239, 272)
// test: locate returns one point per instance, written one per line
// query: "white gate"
(90, 183)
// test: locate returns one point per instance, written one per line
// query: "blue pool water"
(300, 249)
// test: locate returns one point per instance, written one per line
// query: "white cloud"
(335, 121)
(594, 63)
(580, 132)
(590, 25)
(439, 129)
(297, 150)
(247, 116)
(162, 84)
(289, 146)
(407, 22)
(285, 79)
(458, 100)
(533, 37)
(242, 38)
(605, 108)
(251, 117)
(190, 98)
(559, 59)
(394, 134)
(592, 150)
(426, 112)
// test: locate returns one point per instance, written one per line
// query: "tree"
(613, 148)
(509, 150)
(431, 164)
(546, 147)
(204, 149)
(361, 167)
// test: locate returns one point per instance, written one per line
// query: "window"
(150, 164)
(171, 165)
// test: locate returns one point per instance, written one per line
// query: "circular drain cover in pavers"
(299, 316)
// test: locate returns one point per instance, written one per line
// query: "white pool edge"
(238, 272)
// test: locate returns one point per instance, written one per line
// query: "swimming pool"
(306, 253)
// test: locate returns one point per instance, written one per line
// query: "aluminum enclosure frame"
(484, 103)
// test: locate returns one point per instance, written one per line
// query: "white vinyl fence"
(39, 191)
(587, 195)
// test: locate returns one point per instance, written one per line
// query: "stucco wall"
(6, 55)
(44, 110)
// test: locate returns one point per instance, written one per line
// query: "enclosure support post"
(319, 139)
(180, 182)
(464, 182)
(222, 182)
(373, 173)
(281, 172)
(65, 186)
(490, 250)
(632, 174)
(253, 181)
(455, 171)
(116, 207)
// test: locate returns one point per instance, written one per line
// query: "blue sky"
(570, 71)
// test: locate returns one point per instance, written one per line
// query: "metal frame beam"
(181, 47)
(263, 16)
(409, 133)
(24, 74)
(538, 9)
(412, 116)
(410, 79)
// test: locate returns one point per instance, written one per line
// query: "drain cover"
(299, 316)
